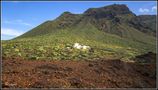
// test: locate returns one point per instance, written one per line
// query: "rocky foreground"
(18, 73)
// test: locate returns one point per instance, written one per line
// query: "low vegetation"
(56, 47)
(108, 33)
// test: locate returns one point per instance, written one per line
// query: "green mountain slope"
(145, 24)
(110, 32)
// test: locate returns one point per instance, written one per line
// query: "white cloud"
(20, 22)
(147, 10)
(143, 10)
(154, 8)
(11, 32)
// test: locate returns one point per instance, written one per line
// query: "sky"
(18, 17)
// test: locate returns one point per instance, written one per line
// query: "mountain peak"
(67, 13)
(113, 19)
(108, 11)
(117, 6)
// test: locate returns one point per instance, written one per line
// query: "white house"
(78, 46)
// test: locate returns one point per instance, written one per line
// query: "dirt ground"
(18, 73)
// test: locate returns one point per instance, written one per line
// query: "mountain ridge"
(123, 35)
(103, 18)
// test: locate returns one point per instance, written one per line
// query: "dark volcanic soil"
(77, 74)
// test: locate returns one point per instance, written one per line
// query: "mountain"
(108, 19)
(111, 44)
(145, 24)
(110, 29)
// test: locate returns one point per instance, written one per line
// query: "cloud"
(20, 22)
(143, 10)
(147, 10)
(154, 8)
(11, 32)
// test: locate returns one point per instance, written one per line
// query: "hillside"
(111, 31)
(104, 18)
(106, 47)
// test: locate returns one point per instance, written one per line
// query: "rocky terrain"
(18, 73)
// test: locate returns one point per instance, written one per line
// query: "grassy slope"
(53, 45)
(65, 20)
